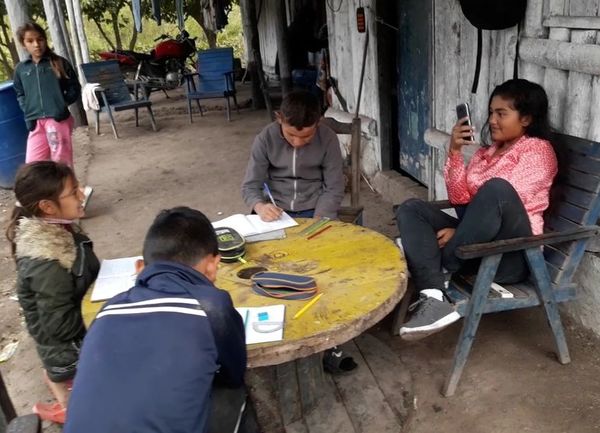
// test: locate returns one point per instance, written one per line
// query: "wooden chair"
(114, 93)
(553, 257)
(215, 79)
(22, 424)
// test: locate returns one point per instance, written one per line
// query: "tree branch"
(115, 25)
(104, 35)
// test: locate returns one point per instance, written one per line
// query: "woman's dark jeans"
(494, 213)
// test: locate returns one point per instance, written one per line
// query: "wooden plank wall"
(346, 49)
(574, 96)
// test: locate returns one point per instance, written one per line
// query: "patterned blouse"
(529, 165)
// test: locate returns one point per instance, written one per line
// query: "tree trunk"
(9, 42)
(211, 37)
(115, 25)
(104, 35)
(6, 64)
(133, 40)
(196, 11)
(18, 15)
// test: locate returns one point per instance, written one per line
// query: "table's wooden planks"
(262, 387)
(376, 397)
(365, 402)
(392, 377)
(330, 415)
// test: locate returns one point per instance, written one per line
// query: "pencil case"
(232, 245)
(284, 286)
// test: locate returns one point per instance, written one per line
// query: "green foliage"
(100, 11)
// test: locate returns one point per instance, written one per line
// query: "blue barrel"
(13, 135)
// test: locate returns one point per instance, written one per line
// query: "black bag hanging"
(493, 15)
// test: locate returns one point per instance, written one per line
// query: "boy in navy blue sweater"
(154, 354)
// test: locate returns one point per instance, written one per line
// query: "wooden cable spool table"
(362, 276)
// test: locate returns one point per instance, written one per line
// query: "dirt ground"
(512, 381)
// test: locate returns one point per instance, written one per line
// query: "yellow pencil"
(307, 306)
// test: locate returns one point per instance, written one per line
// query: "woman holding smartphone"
(500, 194)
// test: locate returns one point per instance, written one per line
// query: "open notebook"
(115, 276)
(249, 225)
(263, 324)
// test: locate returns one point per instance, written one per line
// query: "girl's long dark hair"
(529, 99)
(56, 61)
(34, 182)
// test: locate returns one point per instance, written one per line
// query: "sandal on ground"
(54, 412)
(335, 361)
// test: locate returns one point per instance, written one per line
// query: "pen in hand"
(268, 191)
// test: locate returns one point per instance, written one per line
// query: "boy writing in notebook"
(295, 164)
(157, 356)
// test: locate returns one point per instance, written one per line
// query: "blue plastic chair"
(115, 93)
(214, 79)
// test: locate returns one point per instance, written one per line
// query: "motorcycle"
(163, 68)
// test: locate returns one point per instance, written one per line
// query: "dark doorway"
(414, 94)
(387, 55)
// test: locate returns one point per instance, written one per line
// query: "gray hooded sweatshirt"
(309, 177)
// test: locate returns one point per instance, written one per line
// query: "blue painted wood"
(526, 296)
(541, 279)
(485, 277)
(114, 92)
(214, 79)
(414, 98)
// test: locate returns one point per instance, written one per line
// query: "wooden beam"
(74, 38)
(83, 43)
(582, 23)
(583, 58)
(18, 14)
(59, 39)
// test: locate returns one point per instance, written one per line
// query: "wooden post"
(283, 52)
(83, 43)
(555, 83)
(18, 15)
(59, 40)
(533, 28)
(74, 37)
(248, 9)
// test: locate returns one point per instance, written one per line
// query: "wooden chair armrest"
(337, 127)
(506, 246)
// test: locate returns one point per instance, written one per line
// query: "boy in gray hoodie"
(299, 160)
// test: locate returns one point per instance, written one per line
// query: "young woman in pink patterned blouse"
(500, 194)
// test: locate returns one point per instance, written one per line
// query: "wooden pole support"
(355, 161)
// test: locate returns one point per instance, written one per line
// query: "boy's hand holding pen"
(268, 211)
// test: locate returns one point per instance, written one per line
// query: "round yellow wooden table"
(361, 274)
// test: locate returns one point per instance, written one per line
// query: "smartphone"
(462, 110)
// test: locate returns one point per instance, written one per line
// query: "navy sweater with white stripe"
(149, 359)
